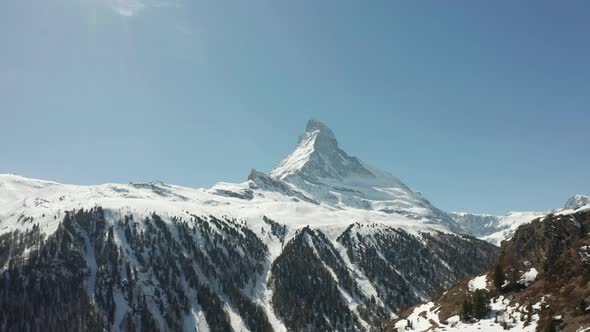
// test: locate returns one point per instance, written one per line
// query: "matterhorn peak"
(318, 128)
(319, 168)
(317, 137)
(317, 155)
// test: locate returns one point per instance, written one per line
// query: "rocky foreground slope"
(541, 282)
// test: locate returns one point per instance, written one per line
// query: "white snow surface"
(509, 223)
(425, 318)
(299, 157)
(528, 277)
(46, 203)
(495, 229)
(478, 283)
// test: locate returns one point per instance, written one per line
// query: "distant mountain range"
(495, 229)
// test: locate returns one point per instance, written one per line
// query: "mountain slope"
(541, 282)
(329, 175)
(157, 256)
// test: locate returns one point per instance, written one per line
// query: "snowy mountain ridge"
(495, 229)
(329, 175)
(264, 226)
(576, 201)
(491, 228)
(318, 172)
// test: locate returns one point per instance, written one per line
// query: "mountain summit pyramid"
(322, 169)
(318, 156)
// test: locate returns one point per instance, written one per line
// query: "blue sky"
(482, 106)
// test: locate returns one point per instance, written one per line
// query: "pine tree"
(467, 309)
(529, 316)
(481, 304)
(499, 277)
(582, 307)
(552, 326)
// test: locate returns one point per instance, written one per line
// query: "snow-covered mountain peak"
(327, 174)
(576, 201)
(315, 126)
(318, 156)
(317, 152)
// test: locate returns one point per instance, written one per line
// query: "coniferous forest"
(103, 271)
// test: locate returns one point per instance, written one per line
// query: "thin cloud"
(184, 28)
(134, 7)
(127, 7)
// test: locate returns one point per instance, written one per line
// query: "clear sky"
(481, 105)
